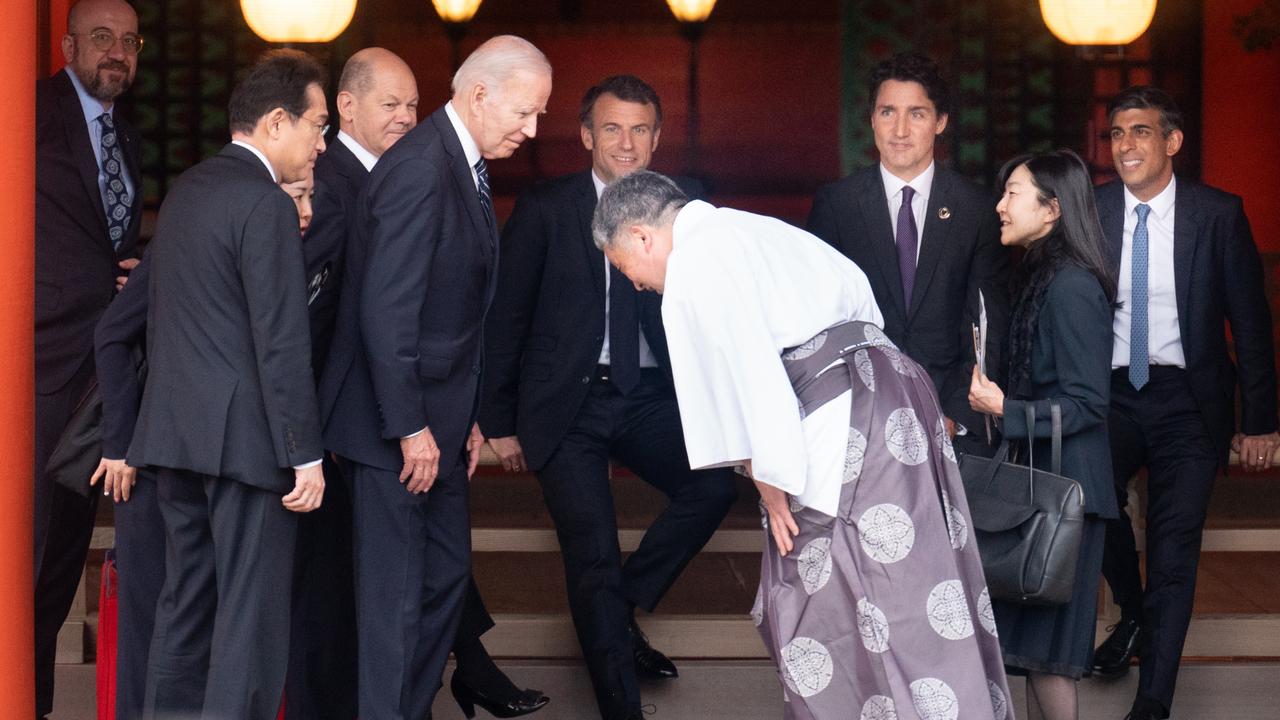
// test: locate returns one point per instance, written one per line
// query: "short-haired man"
(400, 388)
(229, 417)
(579, 374)
(928, 239)
(1187, 267)
(88, 210)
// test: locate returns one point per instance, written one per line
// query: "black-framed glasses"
(103, 39)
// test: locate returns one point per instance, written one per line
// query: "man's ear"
(588, 141)
(68, 48)
(1173, 143)
(274, 121)
(346, 101)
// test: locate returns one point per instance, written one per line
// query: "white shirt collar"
(894, 184)
(1161, 205)
(274, 178)
(689, 216)
(469, 146)
(366, 158)
(600, 184)
(91, 106)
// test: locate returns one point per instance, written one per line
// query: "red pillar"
(57, 28)
(17, 370)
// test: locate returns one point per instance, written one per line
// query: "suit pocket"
(434, 367)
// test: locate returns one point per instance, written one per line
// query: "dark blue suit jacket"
(421, 269)
(1218, 280)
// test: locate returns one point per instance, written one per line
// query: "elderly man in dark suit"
(1188, 267)
(229, 417)
(579, 374)
(400, 389)
(928, 239)
(88, 209)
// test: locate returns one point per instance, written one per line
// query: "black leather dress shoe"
(1112, 657)
(1146, 709)
(650, 664)
(525, 702)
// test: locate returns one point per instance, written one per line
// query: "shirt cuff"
(406, 437)
(311, 464)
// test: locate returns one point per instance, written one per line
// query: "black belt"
(602, 373)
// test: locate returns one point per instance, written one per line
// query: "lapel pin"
(944, 213)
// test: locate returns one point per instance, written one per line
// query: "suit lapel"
(937, 231)
(82, 150)
(875, 209)
(1185, 233)
(1111, 215)
(584, 201)
(461, 171)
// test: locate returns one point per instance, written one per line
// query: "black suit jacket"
(959, 255)
(339, 179)
(75, 263)
(547, 327)
(421, 265)
(229, 391)
(1218, 279)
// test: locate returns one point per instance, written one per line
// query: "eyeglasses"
(104, 40)
(322, 128)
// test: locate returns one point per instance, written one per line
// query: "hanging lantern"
(691, 11)
(1097, 22)
(456, 11)
(298, 21)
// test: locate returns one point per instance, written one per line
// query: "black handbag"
(1028, 522)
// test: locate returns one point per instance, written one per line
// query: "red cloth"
(108, 602)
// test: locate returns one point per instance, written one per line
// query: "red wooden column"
(17, 343)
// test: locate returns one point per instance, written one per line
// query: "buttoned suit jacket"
(230, 391)
(76, 266)
(1218, 279)
(421, 268)
(548, 320)
(960, 255)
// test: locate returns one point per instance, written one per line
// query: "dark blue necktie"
(486, 198)
(624, 332)
(117, 199)
(1139, 354)
(907, 240)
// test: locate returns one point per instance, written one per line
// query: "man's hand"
(421, 462)
(308, 489)
(510, 453)
(474, 443)
(985, 396)
(126, 265)
(117, 478)
(1256, 451)
(781, 524)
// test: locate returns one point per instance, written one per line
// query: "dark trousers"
(323, 648)
(412, 564)
(63, 523)
(140, 565)
(221, 642)
(642, 431)
(1159, 427)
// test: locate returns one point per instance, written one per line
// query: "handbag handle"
(1031, 451)
(1055, 417)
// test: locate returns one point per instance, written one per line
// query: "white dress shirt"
(647, 359)
(366, 158)
(740, 289)
(1164, 337)
(921, 184)
(469, 146)
(92, 108)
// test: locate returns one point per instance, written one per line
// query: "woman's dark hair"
(1076, 240)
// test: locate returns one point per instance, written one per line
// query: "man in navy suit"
(1187, 267)
(400, 389)
(579, 374)
(88, 210)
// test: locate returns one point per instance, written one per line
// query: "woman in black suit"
(1059, 351)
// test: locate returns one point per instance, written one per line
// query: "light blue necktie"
(1139, 354)
(117, 199)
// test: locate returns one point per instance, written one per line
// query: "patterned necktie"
(907, 241)
(486, 198)
(624, 332)
(1139, 354)
(117, 200)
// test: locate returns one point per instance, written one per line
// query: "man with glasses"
(88, 209)
(228, 417)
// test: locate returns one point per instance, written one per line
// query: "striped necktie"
(1139, 353)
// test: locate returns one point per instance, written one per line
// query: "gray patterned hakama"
(881, 613)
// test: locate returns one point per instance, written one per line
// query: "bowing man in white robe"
(872, 598)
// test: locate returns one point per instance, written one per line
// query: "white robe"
(741, 288)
